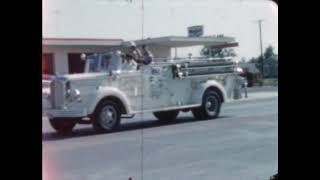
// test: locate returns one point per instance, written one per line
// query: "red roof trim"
(80, 39)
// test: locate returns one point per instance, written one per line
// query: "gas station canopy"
(167, 41)
(182, 41)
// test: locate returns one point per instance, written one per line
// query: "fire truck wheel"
(210, 107)
(107, 116)
(165, 116)
(62, 125)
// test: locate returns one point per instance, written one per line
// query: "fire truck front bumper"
(56, 113)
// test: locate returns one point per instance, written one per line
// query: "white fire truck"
(107, 92)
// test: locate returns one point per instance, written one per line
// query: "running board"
(87, 120)
(82, 121)
(128, 116)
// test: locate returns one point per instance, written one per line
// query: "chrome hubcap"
(108, 116)
(208, 104)
(211, 105)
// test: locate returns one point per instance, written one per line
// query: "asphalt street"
(240, 145)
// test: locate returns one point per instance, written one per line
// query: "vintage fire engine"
(109, 90)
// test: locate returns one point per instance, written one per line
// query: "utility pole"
(142, 19)
(261, 48)
(142, 140)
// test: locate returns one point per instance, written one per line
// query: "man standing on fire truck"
(134, 52)
(147, 55)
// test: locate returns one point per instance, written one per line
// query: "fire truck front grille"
(57, 94)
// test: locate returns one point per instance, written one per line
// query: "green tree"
(269, 52)
(268, 55)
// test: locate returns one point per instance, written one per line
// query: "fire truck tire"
(107, 116)
(165, 116)
(210, 108)
(62, 125)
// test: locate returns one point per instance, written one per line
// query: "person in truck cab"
(128, 63)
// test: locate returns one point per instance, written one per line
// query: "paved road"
(240, 145)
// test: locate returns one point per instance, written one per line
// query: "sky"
(122, 19)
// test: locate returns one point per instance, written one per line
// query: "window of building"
(76, 65)
(48, 63)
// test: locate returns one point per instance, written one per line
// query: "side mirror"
(83, 56)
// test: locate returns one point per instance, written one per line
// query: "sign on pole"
(195, 31)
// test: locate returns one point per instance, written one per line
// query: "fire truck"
(107, 92)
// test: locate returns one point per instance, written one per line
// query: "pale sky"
(120, 19)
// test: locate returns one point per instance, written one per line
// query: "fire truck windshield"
(100, 63)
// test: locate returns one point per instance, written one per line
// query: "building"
(62, 55)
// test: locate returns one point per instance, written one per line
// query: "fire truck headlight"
(75, 93)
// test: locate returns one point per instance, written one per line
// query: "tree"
(269, 58)
(269, 52)
(218, 52)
